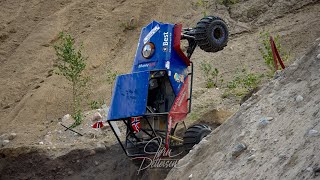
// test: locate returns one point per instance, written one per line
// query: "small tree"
(71, 64)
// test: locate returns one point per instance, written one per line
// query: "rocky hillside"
(274, 135)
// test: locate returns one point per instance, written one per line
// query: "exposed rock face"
(286, 148)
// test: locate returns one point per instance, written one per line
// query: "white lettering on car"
(150, 34)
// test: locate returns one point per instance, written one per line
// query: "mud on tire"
(211, 34)
(194, 135)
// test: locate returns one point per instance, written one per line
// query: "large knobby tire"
(211, 34)
(194, 135)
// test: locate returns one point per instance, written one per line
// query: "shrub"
(95, 104)
(111, 76)
(201, 3)
(266, 51)
(242, 83)
(227, 2)
(210, 74)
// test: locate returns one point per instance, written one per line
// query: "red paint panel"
(176, 43)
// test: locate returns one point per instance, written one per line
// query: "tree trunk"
(74, 97)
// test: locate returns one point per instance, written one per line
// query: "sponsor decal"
(151, 33)
(178, 78)
(167, 65)
(152, 64)
(165, 43)
(165, 49)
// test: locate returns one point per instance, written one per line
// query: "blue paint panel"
(129, 96)
(162, 39)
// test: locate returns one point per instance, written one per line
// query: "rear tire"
(194, 135)
(211, 34)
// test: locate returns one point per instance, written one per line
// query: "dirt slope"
(33, 98)
(285, 145)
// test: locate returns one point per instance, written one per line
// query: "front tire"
(194, 135)
(211, 34)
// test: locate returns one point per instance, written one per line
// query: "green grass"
(210, 73)
(227, 2)
(201, 3)
(242, 83)
(193, 116)
(266, 51)
(95, 104)
(111, 76)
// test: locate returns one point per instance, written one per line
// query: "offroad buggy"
(156, 96)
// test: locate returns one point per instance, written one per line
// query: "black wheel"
(211, 34)
(194, 135)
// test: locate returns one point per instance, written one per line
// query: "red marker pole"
(276, 55)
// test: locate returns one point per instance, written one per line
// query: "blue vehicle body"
(130, 92)
(150, 102)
